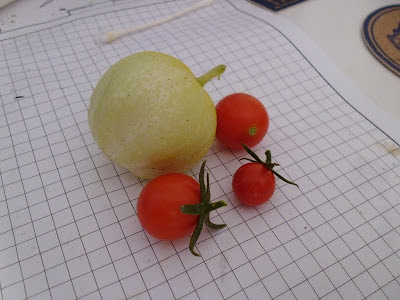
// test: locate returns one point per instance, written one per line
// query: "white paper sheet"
(68, 226)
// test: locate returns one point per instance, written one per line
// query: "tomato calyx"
(267, 163)
(202, 209)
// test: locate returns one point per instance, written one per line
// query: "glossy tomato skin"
(241, 119)
(158, 206)
(253, 184)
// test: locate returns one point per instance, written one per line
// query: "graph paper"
(68, 223)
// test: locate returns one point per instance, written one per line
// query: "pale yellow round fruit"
(150, 115)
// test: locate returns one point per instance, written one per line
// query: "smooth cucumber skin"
(149, 115)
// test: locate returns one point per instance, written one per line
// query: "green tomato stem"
(267, 163)
(196, 234)
(214, 72)
(193, 209)
(202, 209)
(253, 130)
(212, 225)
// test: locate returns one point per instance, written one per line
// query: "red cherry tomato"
(253, 184)
(241, 119)
(159, 203)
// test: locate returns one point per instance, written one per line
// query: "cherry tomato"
(175, 205)
(253, 184)
(241, 119)
(159, 203)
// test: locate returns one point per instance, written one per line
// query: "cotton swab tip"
(109, 36)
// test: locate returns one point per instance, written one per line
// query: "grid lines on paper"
(68, 221)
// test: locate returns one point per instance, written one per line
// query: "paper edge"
(324, 65)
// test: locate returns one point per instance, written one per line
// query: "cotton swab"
(110, 36)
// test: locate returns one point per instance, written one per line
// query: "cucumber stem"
(214, 72)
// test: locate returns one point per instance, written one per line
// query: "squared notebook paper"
(68, 224)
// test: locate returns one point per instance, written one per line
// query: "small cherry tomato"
(241, 119)
(159, 203)
(174, 205)
(254, 182)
